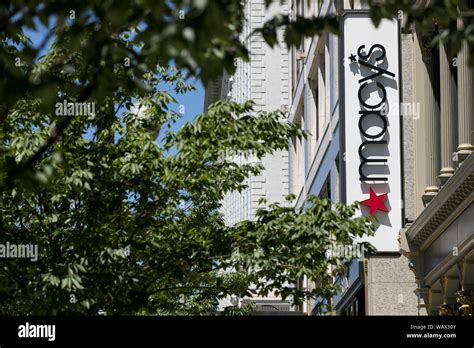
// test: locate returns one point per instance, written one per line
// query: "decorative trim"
(432, 221)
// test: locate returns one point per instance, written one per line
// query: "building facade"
(265, 80)
(390, 117)
(438, 237)
(390, 122)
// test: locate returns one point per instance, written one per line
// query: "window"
(356, 307)
(297, 158)
(323, 86)
(325, 192)
(298, 52)
(333, 72)
(312, 116)
(320, 95)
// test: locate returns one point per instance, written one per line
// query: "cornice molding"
(457, 192)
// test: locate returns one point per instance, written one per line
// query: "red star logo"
(375, 202)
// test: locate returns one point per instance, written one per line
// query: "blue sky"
(192, 101)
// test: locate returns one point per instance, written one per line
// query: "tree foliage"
(127, 224)
(98, 50)
(437, 20)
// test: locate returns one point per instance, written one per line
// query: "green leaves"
(124, 223)
(435, 20)
(125, 227)
(296, 30)
(286, 243)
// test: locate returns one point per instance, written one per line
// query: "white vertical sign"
(372, 124)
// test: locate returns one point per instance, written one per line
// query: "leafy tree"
(135, 36)
(128, 225)
(437, 19)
